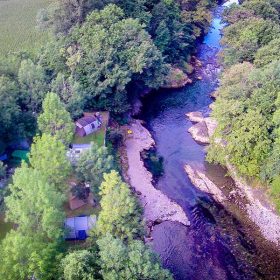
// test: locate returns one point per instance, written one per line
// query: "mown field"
(18, 25)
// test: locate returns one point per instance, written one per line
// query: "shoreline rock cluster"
(203, 128)
(157, 206)
(257, 207)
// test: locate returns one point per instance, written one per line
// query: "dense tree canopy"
(245, 37)
(33, 84)
(80, 265)
(55, 120)
(25, 257)
(134, 261)
(48, 156)
(248, 103)
(92, 164)
(120, 213)
(34, 204)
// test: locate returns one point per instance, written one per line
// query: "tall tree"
(55, 120)
(244, 38)
(33, 83)
(34, 204)
(92, 164)
(81, 265)
(25, 257)
(132, 261)
(10, 110)
(121, 213)
(70, 92)
(48, 156)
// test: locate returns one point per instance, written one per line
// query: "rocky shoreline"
(255, 204)
(157, 206)
(203, 128)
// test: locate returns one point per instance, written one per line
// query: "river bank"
(157, 206)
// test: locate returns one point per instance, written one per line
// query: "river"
(218, 244)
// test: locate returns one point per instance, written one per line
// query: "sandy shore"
(157, 206)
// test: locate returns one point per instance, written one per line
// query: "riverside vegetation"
(101, 55)
(248, 103)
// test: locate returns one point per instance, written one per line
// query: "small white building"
(88, 124)
(76, 150)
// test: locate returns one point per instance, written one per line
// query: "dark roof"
(86, 120)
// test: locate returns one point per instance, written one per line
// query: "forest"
(247, 106)
(101, 56)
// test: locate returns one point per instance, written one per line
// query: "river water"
(218, 244)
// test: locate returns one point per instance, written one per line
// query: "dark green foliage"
(115, 136)
(62, 15)
(116, 51)
(3, 170)
(14, 122)
(153, 162)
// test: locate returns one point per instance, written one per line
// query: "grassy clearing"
(18, 25)
(97, 137)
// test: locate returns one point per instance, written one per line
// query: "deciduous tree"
(132, 261)
(92, 164)
(55, 120)
(121, 213)
(48, 156)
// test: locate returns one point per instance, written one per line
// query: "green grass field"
(18, 25)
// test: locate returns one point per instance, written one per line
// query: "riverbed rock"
(214, 94)
(203, 183)
(157, 206)
(211, 125)
(195, 117)
(176, 79)
(199, 132)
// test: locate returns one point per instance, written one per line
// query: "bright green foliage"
(262, 8)
(108, 53)
(32, 80)
(34, 204)
(120, 213)
(92, 164)
(133, 261)
(80, 265)
(244, 38)
(244, 108)
(23, 257)
(48, 156)
(268, 53)
(55, 120)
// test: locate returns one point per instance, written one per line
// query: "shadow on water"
(217, 245)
